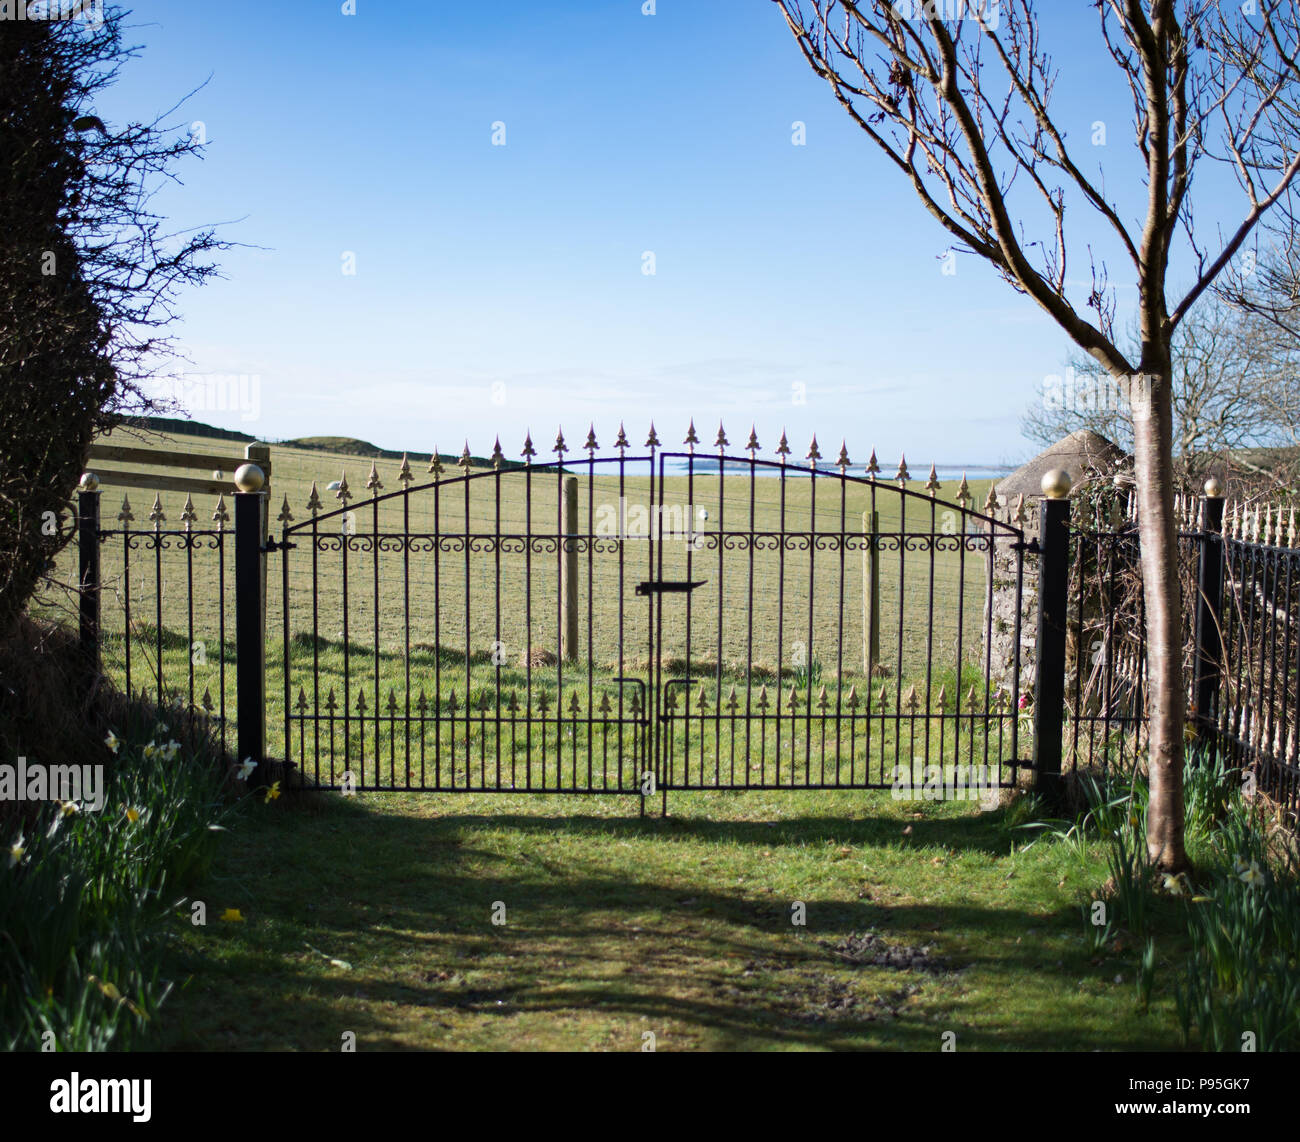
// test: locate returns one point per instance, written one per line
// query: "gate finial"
(497, 455)
(721, 443)
(188, 515)
(621, 443)
(404, 476)
(157, 517)
(590, 446)
(783, 447)
(991, 504)
(435, 462)
(752, 445)
(873, 466)
(285, 516)
(560, 447)
(652, 441)
(932, 485)
(963, 492)
(814, 453)
(464, 461)
(343, 495)
(313, 501)
(529, 451)
(691, 439)
(843, 462)
(373, 484)
(220, 516)
(903, 474)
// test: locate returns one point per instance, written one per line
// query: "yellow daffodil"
(132, 815)
(273, 792)
(233, 915)
(16, 851)
(112, 741)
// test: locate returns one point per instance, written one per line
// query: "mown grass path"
(617, 927)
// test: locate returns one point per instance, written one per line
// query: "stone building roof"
(1084, 454)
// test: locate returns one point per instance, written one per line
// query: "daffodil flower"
(68, 808)
(170, 750)
(132, 815)
(273, 792)
(1174, 885)
(1252, 876)
(246, 768)
(16, 851)
(151, 751)
(233, 915)
(112, 741)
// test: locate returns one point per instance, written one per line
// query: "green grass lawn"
(374, 915)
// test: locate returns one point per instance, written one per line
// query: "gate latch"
(667, 587)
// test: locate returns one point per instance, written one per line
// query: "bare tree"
(1234, 386)
(961, 107)
(89, 275)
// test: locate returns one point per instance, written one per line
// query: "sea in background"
(708, 465)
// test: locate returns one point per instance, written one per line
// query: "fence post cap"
(1214, 488)
(89, 482)
(1056, 484)
(249, 478)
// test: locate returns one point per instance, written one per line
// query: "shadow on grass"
(608, 933)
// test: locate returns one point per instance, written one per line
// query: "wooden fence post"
(870, 593)
(569, 578)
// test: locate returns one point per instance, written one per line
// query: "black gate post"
(250, 635)
(88, 555)
(1209, 615)
(1049, 666)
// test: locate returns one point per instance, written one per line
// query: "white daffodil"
(112, 741)
(1239, 866)
(1174, 885)
(245, 770)
(16, 851)
(151, 751)
(170, 750)
(1252, 876)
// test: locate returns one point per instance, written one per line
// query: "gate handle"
(667, 586)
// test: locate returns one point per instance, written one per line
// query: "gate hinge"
(271, 545)
(667, 586)
(1032, 546)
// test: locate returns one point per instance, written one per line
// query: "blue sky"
(499, 288)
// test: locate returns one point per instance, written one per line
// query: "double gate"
(649, 622)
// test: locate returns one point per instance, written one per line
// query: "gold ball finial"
(249, 478)
(1214, 488)
(1057, 483)
(89, 482)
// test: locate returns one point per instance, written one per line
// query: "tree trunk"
(1158, 534)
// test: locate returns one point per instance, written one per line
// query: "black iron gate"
(648, 622)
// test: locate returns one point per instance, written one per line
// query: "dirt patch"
(871, 949)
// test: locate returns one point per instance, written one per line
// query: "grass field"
(374, 915)
(448, 634)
